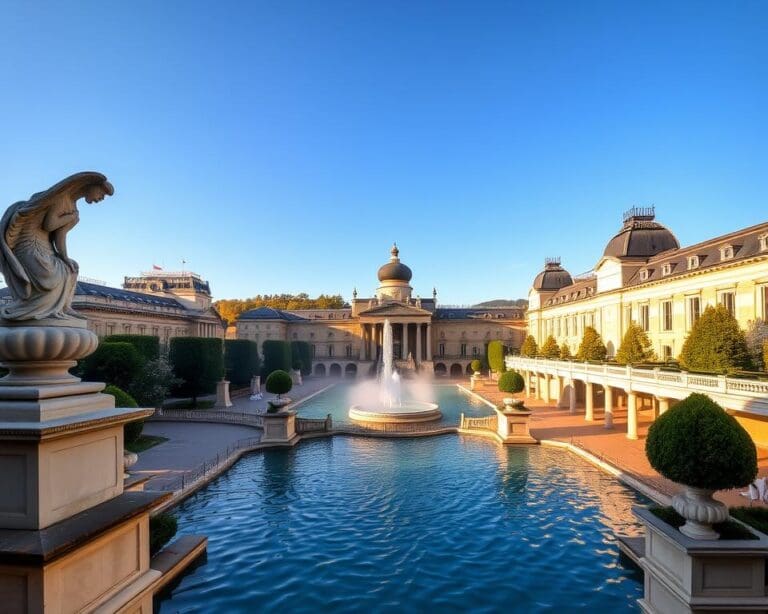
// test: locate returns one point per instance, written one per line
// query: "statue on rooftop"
(33, 249)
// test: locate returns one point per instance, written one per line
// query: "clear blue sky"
(282, 146)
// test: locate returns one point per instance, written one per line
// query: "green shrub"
(715, 344)
(512, 382)
(754, 516)
(132, 430)
(727, 530)
(278, 382)
(302, 351)
(529, 349)
(565, 352)
(550, 349)
(113, 363)
(476, 365)
(154, 382)
(277, 356)
(241, 358)
(697, 444)
(198, 362)
(592, 346)
(162, 528)
(635, 347)
(147, 346)
(495, 354)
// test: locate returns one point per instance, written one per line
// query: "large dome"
(553, 277)
(395, 270)
(641, 236)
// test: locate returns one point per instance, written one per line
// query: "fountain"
(389, 404)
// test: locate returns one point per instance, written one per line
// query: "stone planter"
(700, 511)
(513, 425)
(685, 575)
(512, 404)
(280, 427)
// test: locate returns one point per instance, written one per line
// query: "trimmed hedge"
(592, 346)
(162, 528)
(241, 358)
(476, 365)
(113, 363)
(529, 349)
(697, 444)
(512, 382)
(277, 356)
(550, 349)
(198, 361)
(635, 347)
(132, 430)
(301, 351)
(716, 344)
(147, 345)
(496, 356)
(278, 382)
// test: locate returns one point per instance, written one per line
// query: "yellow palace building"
(645, 276)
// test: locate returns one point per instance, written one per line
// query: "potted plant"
(511, 382)
(278, 383)
(476, 365)
(698, 445)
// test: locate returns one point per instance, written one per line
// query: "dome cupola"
(395, 270)
(641, 236)
(553, 277)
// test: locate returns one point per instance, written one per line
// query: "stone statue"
(33, 249)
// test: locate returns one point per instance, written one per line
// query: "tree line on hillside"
(230, 309)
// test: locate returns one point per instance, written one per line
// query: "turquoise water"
(449, 524)
(451, 400)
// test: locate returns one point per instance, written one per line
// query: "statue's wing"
(18, 216)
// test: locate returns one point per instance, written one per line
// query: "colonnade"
(409, 336)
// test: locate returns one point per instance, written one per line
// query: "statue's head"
(96, 192)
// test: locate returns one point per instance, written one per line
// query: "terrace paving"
(611, 445)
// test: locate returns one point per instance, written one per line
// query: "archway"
(440, 370)
(469, 370)
(320, 370)
(456, 370)
(335, 370)
(350, 370)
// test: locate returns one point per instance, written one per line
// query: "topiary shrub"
(302, 351)
(592, 346)
(716, 344)
(550, 349)
(162, 528)
(512, 382)
(148, 346)
(241, 360)
(529, 349)
(278, 382)
(277, 356)
(199, 362)
(635, 347)
(495, 356)
(476, 365)
(132, 430)
(697, 444)
(113, 363)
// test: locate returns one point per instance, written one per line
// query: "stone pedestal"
(513, 426)
(256, 384)
(691, 575)
(222, 395)
(280, 427)
(296, 377)
(474, 381)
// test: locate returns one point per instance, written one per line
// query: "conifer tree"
(529, 348)
(635, 347)
(592, 346)
(550, 349)
(565, 352)
(715, 344)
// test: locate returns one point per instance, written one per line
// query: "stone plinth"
(685, 575)
(280, 427)
(513, 426)
(222, 395)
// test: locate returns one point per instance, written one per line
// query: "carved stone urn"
(700, 511)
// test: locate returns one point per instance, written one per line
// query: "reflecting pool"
(445, 523)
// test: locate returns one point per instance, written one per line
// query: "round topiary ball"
(511, 381)
(697, 444)
(278, 382)
(475, 365)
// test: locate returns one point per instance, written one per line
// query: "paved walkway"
(611, 445)
(310, 386)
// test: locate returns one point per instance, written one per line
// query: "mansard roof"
(479, 313)
(269, 313)
(395, 309)
(86, 289)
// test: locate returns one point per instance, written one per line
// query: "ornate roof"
(553, 277)
(641, 236)
(395, 270)
(268, 313)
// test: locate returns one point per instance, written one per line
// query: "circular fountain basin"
(410, 411)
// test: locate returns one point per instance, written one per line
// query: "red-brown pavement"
(611, 445)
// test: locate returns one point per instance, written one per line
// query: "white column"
(418, 344)
(631, 415)
(405, 340)
(589, 414)
(572, 396)
(663, 405)
(546, 388)
(608, 407)
(429, 342)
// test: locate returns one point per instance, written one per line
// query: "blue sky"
(282, 146)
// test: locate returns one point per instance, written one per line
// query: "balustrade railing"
(485, 423)
(202, 415)
(314, 425)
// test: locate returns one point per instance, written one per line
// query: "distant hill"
(503, 302)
